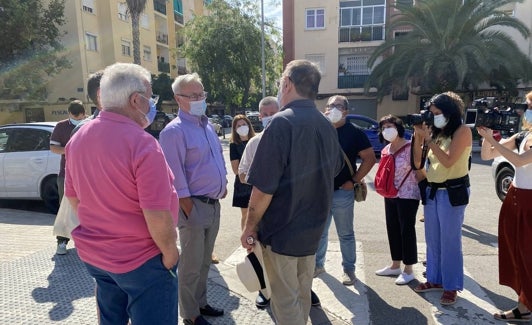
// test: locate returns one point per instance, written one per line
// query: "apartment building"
(98, 33)
(340, 36)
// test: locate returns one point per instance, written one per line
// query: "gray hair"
(119, 81)
(184, 80)
(268, 101)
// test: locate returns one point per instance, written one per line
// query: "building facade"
(98, 33)
(340, 36)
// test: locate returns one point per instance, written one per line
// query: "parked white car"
(217, 127)
(28, 169)
(503, 174)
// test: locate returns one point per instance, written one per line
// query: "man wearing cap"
(292, 176)
(195, 155)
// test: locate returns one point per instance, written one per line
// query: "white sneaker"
(387, 271)
(318, 271)
(61, 249)
(404, 278)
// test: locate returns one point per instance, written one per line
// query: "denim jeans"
(342, 211)
(146, 295)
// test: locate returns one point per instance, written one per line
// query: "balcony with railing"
(178, 17)
(361, 33)
(162, 37)
(159, 6)
(352, 81)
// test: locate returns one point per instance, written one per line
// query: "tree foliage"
(31, 50)
(224, 47)
(135, 8)
(162, 86)
(451, 45)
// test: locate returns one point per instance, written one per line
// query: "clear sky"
(273, 9)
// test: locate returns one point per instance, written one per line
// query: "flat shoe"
(404, 278)
(211, 311)
(387, 271)
(517, 316)
(448, 297)
(427, 286)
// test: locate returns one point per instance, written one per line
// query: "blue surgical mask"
(74, 122)
(150, 116)
(198, 107)
(528, 115)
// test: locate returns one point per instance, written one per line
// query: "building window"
(91, 42)
(319, 59)
(126, 48)
(144, 21)
(88, 6)
(147, 53)
(122, 11)
(315, 18)
(362, 20)
(358, 65)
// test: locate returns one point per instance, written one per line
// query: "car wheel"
(502, 182)
(50, 195)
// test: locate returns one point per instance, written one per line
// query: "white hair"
(184, 80)
(119, 81)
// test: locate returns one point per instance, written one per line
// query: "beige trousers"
(291, 281)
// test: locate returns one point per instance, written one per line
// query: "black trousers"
(400, 226)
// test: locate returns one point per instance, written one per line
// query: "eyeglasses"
(337, 106)
(154, 98)
(195, 97)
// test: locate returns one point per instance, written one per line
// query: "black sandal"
(518, 316)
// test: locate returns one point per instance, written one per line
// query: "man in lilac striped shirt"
(194, 153)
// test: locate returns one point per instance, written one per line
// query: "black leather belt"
(205, 199)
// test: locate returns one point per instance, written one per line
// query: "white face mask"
(389, 134)
(440, 121)
(242, 130)
(265, 120)
(335, 115)
(198, 107)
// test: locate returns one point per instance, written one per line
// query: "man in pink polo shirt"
(119, 183)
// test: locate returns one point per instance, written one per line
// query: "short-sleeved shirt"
(352, 140)
(296, 161)
(116, 170)
(249, 153)
(60, 136)
(195, 155)
(403, 168)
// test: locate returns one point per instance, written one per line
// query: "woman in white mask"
(241, 132)
(447, 145)
(400, 209)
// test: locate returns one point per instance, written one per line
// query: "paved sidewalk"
(39, 287)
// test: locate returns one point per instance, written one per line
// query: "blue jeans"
(343, 203)
(146, 295)
(443, 235)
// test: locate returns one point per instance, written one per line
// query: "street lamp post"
(262, 50)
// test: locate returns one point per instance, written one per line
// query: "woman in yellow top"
(448, 146)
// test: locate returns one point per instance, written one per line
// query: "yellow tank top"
(437, 173)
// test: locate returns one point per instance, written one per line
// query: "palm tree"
(135, 8)
(451, 45)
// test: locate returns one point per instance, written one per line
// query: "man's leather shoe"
(198, 321)
(314, 300)
(261, 302)
(211, 311)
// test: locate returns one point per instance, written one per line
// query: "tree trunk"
(136, 37)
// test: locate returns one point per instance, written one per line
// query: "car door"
(25, 161)
(4, 136)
